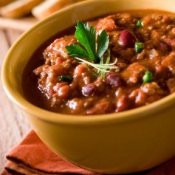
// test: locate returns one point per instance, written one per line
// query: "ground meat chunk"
(146, 94)
(155, 36)
(169, 62)
(152, 88)
(156, 20)
(170, 42)
(133, 73)
(114, 35)
(107, 24)
(171, 85)
(48, 81)
(153, 92)
(57, 48)
(62, 90)
(101, 107)
(82, 74)
(124, 20)
(155, 64)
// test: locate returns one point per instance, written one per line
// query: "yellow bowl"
(126, 142)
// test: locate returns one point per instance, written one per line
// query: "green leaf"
(86, 36)
(103, 43)
(75, 50)
(92, 49)
(91, 32)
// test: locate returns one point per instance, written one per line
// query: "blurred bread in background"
(50, 6)
(19, 8)
(5, 2)
(38, 8)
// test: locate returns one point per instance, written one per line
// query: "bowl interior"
(22, 50)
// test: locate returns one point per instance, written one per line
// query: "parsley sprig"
(92, 48)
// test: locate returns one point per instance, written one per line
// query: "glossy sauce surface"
(87, 93)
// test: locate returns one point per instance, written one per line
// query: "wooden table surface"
(13, 125)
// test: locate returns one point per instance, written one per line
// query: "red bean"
(122, 103)
(63, 92)
(138, 97)
(126, 39)
(114, 80)
(89, 90)
(164, 47)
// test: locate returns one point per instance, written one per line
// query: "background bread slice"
(19, 8)
(5, 2)
(50, 6)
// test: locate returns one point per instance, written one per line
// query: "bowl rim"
(49, 116)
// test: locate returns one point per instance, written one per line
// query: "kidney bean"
(164, 47)
(89, 90)
(63, 91)
(169, 62)
(138, 97)
(120, 92)
(133, 73)
(126, 39)
(122, 103)
(114, 79)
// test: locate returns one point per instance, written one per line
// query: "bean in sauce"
(57, 82)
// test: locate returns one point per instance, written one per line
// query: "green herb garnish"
(148, 77)
(92, 47)
(139, 46)
(139, 23)
(65, 78)
(101, 68)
